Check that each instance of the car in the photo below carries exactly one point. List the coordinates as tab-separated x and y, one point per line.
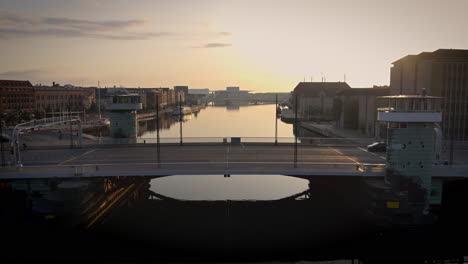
377	147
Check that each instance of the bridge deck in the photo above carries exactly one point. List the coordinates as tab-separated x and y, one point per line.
141	160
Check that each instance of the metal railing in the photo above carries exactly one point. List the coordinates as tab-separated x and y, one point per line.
192	168
38	123
95	140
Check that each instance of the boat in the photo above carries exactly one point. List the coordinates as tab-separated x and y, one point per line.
184	110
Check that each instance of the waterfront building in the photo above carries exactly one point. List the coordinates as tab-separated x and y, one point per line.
199	91
231	96
63	98
16	96
198	96
443	73
315	100
183	89
356	108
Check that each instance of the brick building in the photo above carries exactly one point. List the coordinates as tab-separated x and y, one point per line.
16	96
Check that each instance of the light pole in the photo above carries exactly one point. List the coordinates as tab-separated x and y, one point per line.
180	117
295	133
158	147
69	121
276	120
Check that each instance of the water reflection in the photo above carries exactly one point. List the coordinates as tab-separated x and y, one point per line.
235	187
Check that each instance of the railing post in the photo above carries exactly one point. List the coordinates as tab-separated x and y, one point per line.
80	134
180	117
158	147
69	121
276	120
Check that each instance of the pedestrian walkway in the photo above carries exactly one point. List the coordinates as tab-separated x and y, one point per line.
329	130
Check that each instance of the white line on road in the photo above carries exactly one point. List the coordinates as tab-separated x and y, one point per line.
371	153
341	153
68	160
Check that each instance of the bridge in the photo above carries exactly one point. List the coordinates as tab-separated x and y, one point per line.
312	157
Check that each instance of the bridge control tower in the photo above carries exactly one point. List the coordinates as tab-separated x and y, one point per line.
123	115
412	142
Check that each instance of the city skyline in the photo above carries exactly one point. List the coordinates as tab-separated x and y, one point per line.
265	46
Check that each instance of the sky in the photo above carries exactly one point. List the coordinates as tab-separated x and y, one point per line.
261	46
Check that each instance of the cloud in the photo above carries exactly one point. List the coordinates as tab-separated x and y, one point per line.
15	25
91	25
213	45
75	33
216	45
22	75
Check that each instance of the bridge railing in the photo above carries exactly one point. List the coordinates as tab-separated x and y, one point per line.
230	140
191	168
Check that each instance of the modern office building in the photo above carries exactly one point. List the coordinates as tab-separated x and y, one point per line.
443	73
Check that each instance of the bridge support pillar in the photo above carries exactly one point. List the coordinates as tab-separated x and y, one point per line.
80	134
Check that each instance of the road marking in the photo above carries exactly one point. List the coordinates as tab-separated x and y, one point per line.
341	153
68	160
371	153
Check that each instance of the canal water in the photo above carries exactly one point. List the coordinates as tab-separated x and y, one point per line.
221	121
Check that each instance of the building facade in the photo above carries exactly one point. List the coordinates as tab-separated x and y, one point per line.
231	96
181	89
16	96
63	98
443	73
358	110
315	100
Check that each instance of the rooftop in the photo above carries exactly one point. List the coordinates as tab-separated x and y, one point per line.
365	91
314	88
14	83
440	54
410	96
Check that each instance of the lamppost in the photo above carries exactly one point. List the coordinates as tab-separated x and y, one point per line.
295	134
69	121
276	120
180	117
158	147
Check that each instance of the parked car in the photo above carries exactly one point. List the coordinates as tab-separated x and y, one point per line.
377	147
